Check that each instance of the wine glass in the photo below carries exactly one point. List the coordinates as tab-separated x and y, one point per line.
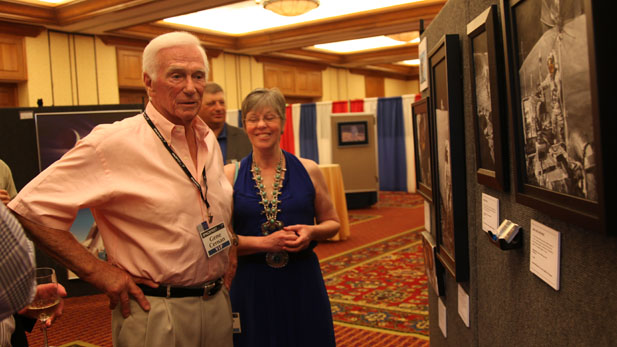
46	299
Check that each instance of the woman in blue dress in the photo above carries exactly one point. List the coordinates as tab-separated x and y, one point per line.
281	208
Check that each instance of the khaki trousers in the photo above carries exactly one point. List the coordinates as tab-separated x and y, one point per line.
181	322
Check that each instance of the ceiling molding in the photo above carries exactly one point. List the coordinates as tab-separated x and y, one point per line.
292	62
149	31
366	24
382	73
19	29
140	44
31	14
381	56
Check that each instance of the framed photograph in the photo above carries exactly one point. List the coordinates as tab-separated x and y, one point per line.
431	265
352	133
553	93
56	133
423	148
449	147
489	99
423	70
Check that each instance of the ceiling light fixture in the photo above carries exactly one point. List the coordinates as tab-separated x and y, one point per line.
290	8
405	37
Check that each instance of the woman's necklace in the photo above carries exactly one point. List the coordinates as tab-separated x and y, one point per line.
271	209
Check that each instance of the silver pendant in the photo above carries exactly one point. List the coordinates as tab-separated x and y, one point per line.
277	260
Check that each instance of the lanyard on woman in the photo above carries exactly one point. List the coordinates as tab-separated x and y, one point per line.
171	151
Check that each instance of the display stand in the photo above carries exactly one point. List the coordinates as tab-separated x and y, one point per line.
502	244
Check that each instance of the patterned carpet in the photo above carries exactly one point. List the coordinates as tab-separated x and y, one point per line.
399	199
381	286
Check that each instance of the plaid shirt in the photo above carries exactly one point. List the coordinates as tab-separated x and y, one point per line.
17	285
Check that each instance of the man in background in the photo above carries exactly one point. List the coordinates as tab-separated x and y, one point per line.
155	186
234	142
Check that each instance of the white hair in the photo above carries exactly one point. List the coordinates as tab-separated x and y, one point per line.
172	39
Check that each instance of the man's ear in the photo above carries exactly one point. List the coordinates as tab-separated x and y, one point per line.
147	83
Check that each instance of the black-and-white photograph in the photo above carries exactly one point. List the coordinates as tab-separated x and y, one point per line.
555	96
422	148
442	128
448	139
486	142
430	263
487	67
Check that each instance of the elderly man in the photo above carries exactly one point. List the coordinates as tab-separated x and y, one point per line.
234	142
156	188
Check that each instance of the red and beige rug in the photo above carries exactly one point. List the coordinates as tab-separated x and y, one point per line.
381	286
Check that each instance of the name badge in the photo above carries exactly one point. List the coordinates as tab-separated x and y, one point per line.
215	239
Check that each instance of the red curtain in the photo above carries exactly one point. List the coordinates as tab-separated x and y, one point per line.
287	139
357	105
339	107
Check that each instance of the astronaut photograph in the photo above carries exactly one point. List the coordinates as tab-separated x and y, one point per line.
555	91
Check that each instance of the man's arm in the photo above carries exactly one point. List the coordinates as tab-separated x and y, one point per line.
114	282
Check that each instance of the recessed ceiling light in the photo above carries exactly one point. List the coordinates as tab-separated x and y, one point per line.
359	44
247	16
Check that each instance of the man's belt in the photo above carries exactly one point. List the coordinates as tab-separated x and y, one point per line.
208	290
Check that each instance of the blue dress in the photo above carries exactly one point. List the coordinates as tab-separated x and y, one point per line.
287	306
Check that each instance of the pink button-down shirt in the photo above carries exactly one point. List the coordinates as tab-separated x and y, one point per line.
145	206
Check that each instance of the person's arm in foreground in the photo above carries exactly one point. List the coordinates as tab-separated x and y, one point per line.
114	282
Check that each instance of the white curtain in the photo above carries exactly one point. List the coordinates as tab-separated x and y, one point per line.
324	132
409	141
232	117
295	115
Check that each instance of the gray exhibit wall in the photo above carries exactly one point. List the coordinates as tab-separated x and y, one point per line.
509	305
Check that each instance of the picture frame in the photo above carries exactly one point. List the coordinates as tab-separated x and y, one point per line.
553	84
56	133
449	195
488	85
423	153
423	68
352	133
432	267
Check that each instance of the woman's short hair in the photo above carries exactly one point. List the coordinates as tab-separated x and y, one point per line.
177	38
262	97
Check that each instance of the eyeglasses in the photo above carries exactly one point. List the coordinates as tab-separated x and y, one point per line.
267	118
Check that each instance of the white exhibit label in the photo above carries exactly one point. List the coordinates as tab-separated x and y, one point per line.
463	305
427	216
442	317
544	253
490	213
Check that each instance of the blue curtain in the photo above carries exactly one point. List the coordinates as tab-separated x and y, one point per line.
240	119
391	144
308	132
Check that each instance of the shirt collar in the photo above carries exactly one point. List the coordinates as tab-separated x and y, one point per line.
223	133
166	127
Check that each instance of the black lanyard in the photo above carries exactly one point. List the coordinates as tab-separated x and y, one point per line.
183	167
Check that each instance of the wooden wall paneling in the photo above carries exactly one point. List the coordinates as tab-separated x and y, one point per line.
281	77
374	86
308	82
8	95
133	96
12	59
129	68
